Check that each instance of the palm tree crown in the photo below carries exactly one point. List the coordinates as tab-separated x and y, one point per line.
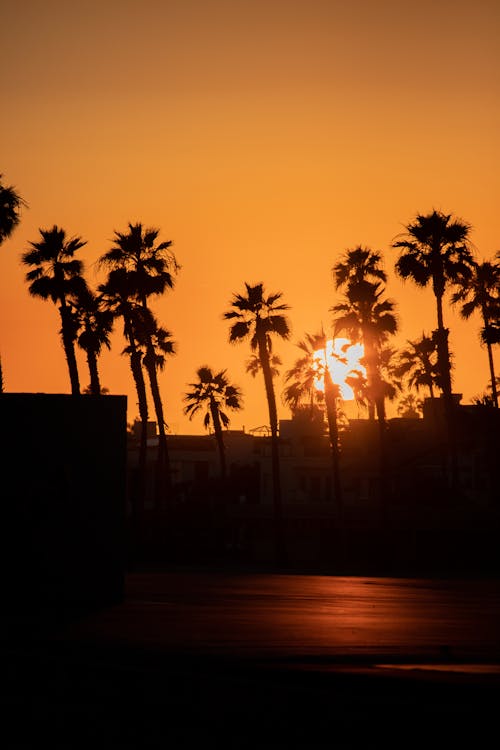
435	249
357	265
57	275
258	317
151	266
10	210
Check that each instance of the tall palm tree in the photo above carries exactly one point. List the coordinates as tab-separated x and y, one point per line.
117	296
367	317
417	364
214	393
57	274
435	249
151	269
481	292
302	381
95	324
10	210
258	317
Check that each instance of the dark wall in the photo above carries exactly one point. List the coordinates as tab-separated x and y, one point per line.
62	490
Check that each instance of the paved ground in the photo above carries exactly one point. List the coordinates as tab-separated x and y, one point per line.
258	661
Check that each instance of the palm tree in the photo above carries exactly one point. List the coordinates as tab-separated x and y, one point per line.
214	393
435	250
417	364
117	296
57	275
481	292
151	269
95	324
10	210
302	381
366	317
258	317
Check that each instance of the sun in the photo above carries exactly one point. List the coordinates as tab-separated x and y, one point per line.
342	358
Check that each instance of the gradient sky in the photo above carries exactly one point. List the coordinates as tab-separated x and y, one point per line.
263	139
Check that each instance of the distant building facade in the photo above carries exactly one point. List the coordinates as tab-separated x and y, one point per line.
399	499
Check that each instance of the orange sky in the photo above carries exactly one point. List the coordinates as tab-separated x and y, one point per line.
263	139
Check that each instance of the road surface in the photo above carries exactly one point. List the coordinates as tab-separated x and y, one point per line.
265	659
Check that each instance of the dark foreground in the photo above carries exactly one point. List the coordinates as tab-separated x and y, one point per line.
244	659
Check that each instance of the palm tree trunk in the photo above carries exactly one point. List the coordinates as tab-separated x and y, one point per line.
137	374
69	348
445	375
219	438
494	394
275	458
163	459
331	411
95	385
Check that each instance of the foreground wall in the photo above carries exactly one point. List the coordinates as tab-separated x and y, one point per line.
62	492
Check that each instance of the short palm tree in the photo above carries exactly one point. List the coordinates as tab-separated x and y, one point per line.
11	204
435	249
481	292
57	274
215	394
95	324
417	364
258	317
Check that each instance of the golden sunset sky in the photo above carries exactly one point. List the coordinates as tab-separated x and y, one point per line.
263	138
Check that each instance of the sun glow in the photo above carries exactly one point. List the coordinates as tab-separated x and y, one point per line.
342	359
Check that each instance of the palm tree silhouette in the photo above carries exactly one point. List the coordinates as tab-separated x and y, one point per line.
302	379
117	296
214	393
435	250
151	268
417	364
57	274
258	317
10	210
95	324
365	316
481	292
